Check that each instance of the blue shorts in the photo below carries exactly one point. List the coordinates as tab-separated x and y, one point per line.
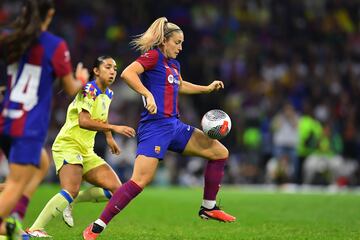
22	151
155	137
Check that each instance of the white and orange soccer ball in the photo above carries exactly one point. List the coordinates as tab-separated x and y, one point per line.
216	124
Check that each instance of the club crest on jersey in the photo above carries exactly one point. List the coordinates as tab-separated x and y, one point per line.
157	149
90	91
79	157
103	105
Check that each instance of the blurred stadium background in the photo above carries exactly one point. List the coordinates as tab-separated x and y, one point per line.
279	60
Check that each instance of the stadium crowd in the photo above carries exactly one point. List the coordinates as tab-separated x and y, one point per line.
291	71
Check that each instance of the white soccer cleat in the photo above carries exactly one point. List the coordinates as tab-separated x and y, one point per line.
67	216
38	233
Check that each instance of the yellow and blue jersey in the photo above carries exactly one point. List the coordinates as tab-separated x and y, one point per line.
97	103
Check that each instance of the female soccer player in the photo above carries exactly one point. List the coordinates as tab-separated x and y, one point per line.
73	149
160	128
34	59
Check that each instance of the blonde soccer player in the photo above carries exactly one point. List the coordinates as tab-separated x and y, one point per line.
156	75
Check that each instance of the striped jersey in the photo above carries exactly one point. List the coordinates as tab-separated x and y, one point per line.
25	109
162	78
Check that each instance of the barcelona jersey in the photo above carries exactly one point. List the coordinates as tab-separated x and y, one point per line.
162	78
94	101
25	110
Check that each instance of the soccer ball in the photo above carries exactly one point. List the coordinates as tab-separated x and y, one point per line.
216	124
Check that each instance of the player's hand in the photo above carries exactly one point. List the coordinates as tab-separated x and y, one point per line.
2	90
215	86
150	104
114	148
124	130
82	73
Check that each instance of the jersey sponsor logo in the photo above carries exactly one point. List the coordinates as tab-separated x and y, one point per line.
103	105
171	79
157	149
79	157
188	128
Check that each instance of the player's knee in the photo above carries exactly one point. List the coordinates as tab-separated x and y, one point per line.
74	192
224	153
220	152
142	182
113	187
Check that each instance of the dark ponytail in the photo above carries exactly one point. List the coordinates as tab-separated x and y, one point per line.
97	63
24	30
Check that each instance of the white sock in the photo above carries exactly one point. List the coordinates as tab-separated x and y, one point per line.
209	204
100	223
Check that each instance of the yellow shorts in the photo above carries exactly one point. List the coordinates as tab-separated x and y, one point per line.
89	160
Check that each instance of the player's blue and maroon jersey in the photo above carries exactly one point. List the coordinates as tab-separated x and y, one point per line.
162	78
25	110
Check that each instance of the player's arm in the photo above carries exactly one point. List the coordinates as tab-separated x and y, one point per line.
131	77
86	122
114	148
72	85
61	62
2	90
190	88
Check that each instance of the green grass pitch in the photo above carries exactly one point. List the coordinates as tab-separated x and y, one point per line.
171	213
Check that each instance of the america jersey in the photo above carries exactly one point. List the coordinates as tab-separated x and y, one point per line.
25	109
162	78
97	103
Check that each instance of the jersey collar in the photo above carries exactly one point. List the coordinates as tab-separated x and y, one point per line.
108	92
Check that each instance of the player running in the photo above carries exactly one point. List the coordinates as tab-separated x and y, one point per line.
33	59
73	149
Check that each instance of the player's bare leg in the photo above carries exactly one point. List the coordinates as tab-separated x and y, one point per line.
103	176
16	182
105	182
144	172
39	174
70	180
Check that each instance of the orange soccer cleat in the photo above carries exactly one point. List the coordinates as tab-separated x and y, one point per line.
216	214
88	234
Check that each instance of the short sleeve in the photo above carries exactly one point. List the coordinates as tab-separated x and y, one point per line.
61	60
87	99
149	59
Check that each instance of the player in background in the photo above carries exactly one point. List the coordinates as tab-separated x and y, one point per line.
34	59
73	148
160	129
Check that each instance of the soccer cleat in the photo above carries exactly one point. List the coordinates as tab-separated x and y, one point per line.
38	233
88	234
14	229
216	214
67	216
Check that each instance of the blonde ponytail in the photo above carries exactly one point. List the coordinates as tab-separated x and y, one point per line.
159	30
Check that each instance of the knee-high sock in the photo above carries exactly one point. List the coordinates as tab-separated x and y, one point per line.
53	208
119	200
21	206
93	194
214	172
